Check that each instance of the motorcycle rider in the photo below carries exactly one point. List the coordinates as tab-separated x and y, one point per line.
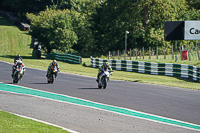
18	57
54	63
103	67
17	63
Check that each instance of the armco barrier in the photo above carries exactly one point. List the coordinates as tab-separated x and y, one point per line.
69	58
168	69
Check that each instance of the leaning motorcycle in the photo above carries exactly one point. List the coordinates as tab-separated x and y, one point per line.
52	75
19	72
104	78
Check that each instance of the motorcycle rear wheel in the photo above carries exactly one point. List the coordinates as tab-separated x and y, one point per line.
49	79
15	79
52	78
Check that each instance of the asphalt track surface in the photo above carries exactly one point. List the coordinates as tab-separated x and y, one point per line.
171	102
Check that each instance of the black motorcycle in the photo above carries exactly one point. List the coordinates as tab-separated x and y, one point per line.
52	75
19	72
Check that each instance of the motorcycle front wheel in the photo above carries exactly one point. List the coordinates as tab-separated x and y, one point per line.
15	79
49	78
52	78
105	83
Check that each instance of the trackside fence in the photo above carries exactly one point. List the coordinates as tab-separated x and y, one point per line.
68	58
168	69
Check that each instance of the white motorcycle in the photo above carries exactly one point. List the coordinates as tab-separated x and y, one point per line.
19	72
104	78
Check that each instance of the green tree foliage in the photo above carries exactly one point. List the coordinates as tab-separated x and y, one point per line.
194	4
86	8
80	14
144	19
194	10
54	29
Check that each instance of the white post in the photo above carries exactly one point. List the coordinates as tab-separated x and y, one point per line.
126	43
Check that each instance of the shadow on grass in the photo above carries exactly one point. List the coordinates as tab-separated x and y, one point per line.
85	65
187	80
13	57
181	78
26	33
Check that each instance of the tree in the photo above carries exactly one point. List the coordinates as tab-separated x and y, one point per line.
82	26
144	19
54	29
194	4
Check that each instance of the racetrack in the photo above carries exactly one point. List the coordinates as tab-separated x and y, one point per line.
177	103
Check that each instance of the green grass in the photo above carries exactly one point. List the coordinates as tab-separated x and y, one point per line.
10	123
194	61
13	41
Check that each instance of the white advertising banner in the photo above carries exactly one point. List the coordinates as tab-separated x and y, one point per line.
192	30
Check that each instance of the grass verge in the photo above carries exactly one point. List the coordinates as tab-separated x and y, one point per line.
10	123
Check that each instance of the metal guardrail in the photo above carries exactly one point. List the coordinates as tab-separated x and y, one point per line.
168	69
68	58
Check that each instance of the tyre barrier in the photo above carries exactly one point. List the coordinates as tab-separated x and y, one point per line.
168	69
68	58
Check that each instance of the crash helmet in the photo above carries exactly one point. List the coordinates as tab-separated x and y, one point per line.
106	64
18	55
54	62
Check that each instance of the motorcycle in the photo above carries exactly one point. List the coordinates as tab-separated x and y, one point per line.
104	78
19	72
52	75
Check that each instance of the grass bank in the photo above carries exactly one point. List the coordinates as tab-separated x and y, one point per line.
10	123
13	41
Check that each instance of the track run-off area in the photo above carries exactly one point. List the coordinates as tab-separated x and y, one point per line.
75	102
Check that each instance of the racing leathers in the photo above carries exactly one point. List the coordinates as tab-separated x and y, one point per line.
54	63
